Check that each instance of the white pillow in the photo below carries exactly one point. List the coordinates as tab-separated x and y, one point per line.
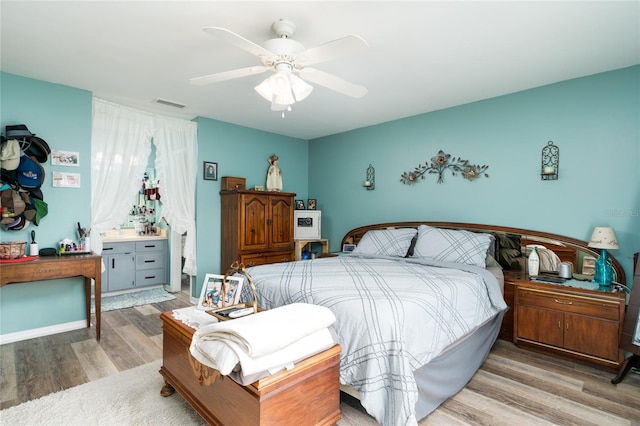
450	245
386	242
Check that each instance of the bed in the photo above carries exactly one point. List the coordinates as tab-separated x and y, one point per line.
418	308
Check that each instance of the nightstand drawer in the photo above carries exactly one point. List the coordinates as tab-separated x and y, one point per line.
583	305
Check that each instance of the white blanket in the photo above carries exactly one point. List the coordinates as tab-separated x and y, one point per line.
265	341
227	356
268	331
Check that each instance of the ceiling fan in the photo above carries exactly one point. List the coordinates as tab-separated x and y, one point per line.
289	61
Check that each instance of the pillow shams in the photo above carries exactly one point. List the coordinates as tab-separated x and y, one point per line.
386	242
449	245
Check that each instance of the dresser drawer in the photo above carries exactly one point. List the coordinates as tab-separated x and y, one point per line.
150	260
583	305
151	245
150	277
255	259
118	248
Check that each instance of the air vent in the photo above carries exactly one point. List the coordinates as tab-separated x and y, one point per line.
169	103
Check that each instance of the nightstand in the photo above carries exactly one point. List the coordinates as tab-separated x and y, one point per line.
574	319
301	244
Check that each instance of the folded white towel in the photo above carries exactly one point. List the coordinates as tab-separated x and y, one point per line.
224	356
269	331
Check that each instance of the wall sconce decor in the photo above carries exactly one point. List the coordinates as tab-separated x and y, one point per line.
370	178
442	162
550	162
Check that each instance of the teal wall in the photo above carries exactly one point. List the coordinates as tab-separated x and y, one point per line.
593	120
60	115
241	152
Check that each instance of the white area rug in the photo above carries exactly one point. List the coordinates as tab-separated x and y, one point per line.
127	300
131	397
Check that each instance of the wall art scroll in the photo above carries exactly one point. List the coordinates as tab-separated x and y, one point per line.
441	163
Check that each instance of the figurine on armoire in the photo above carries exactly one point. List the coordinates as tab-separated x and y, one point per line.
274	175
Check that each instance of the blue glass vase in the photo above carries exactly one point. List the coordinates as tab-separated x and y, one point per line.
604	270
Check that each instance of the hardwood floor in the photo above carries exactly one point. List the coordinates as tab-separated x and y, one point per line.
514	385
36	367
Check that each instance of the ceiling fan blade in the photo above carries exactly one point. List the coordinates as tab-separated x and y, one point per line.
344	46
227	75
332	82
238	41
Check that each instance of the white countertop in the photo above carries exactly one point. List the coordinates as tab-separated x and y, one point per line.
126	235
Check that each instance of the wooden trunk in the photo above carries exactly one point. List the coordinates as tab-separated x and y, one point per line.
308	394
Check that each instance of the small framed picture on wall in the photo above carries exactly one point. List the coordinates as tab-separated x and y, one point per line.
311	204
210	171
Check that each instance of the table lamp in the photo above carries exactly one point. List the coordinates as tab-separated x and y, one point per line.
603	238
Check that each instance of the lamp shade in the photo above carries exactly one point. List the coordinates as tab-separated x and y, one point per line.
283	88
603	237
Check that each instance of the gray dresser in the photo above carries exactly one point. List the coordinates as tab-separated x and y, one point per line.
134	264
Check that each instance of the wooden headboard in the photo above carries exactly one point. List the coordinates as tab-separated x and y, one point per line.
566	248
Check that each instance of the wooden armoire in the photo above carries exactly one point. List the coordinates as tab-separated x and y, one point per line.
257	227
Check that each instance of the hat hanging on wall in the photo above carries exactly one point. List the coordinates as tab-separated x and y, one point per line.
29	142
17	131
10	155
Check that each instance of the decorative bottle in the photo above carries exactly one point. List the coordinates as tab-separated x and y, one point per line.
534	263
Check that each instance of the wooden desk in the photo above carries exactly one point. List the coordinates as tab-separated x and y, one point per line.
56	267
300	244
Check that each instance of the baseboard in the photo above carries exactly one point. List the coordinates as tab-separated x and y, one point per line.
42	331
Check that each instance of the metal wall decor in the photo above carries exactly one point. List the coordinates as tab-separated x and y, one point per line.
370	178
439	164
550	162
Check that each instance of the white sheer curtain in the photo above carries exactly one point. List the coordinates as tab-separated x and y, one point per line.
120	148
177	169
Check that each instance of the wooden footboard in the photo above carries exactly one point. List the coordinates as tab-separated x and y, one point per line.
306	394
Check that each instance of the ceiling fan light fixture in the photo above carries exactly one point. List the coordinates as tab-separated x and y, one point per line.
286	56
301	89
274	86
283	89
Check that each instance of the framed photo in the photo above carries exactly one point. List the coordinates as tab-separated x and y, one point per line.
348	248
210	171
588	265
300	205
65	180
65	158
311	204
210	295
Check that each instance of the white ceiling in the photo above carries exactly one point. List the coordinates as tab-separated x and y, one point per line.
422	56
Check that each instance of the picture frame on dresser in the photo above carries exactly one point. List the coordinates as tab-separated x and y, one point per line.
210	295
348	248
